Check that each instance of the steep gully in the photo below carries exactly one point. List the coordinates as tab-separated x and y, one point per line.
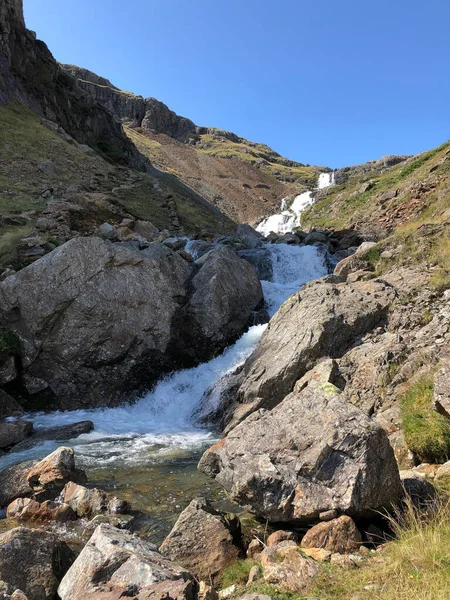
148	451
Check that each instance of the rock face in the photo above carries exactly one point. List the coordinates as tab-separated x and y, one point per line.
29	73
13	432
322	319
204	540
33	561
224	293
310	454
99	322
116	564
149	113
339	535
441	398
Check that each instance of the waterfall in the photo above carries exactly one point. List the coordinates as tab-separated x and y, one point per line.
290	216
160	422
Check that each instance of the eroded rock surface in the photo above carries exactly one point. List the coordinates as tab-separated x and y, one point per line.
312	453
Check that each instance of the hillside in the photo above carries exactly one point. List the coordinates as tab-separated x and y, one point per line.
245	180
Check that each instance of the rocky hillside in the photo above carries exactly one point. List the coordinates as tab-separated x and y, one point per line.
246	180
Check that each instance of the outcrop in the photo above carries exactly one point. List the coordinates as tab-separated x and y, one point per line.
312	453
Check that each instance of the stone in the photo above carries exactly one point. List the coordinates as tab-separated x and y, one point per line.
26	509
119	521
355	262
443	471
8	369
312	453
90	502
261	260
347	561
254	549
315	237
14	484
203	540
318	554
8	405
227	592
175	243
33	561
280	536
206	592
48	477
339	535
157	251
321	320
62	433
254	574
417	487
117	564
441	394
13	432
225	291
108	232
146	229
47	167
328	515
287	568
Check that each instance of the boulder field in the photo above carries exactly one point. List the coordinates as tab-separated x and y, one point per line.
98	322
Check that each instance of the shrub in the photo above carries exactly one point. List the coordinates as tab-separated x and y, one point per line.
427	433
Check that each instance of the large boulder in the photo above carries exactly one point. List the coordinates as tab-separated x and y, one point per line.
357	261
88	314
63	432
13	432
323	319
99	322
312	453
224	293
26	509
14	483
204	540
117	564
287	568
33	561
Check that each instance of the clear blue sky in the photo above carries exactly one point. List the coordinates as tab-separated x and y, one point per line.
327	82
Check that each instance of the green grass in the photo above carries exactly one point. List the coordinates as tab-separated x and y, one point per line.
372	256
9	244
237	573
427	433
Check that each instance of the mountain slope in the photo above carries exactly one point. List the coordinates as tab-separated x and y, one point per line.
246	180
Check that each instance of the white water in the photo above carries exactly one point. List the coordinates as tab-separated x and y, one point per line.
161	422
289	218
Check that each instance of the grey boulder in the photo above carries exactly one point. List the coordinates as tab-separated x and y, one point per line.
116	564
312	453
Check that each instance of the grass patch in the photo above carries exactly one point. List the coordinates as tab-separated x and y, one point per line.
237	573
427	433
9	244
372	256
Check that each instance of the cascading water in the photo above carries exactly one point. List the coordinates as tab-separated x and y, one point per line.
148	450
290	216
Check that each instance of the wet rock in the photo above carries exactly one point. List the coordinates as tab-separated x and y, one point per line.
204	540
48	477
311	453
315	237
355	262
65	432
287	568
26	509
33	561
89	502
322	319
13	432
280	536
116	564
339	535
261	261
218	398
225	291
